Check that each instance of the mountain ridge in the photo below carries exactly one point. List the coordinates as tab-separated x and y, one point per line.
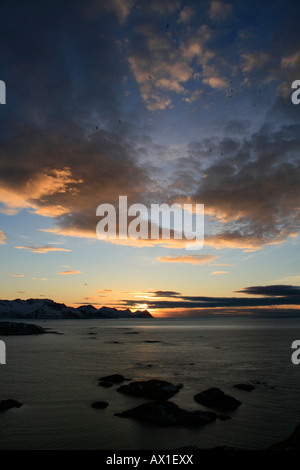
48	309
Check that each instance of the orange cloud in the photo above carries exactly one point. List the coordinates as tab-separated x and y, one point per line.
17	275
193	259
171	67
3	238
218	272
70	272
41	249
87	233
44	184
215	82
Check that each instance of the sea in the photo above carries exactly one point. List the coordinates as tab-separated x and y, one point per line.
55	377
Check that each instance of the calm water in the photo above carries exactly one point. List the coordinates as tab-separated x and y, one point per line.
55	377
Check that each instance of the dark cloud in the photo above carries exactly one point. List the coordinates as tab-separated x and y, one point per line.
66	145
253	187
66	174
285	295
59	63
276	290
165	293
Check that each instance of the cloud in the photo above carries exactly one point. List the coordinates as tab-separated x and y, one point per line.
218	272
274	290
221	264
219	10
204	302
193	259
293	278
67	150
186	15
93	298
3	238
31	183
46	183
254	61
165	293
41	249
73	142
252	190
70	272
216	82
122	8
161	69
17	275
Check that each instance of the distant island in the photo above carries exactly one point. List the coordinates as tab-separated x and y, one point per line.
47	309
10	328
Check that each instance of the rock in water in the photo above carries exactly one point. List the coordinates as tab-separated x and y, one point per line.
99	404
9	328
153	389
114	378
216	398
10	403
168	414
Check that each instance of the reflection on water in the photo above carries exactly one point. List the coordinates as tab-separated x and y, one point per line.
55	377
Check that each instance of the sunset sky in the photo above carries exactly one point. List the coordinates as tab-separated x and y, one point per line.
165	102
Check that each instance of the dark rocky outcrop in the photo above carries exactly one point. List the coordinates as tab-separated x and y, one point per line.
99	404
168	414
217	399
153	389
114	378
10	403
8	328
246	387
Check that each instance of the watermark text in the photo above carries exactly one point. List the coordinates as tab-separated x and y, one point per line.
2	92
296	94
160	222
2	352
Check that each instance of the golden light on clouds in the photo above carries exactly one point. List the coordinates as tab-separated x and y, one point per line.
192	259
218	272
41	249
70	272
3	238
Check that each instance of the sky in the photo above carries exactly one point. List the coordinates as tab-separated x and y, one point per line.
167	102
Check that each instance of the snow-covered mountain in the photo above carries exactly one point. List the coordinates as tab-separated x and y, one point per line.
48	309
